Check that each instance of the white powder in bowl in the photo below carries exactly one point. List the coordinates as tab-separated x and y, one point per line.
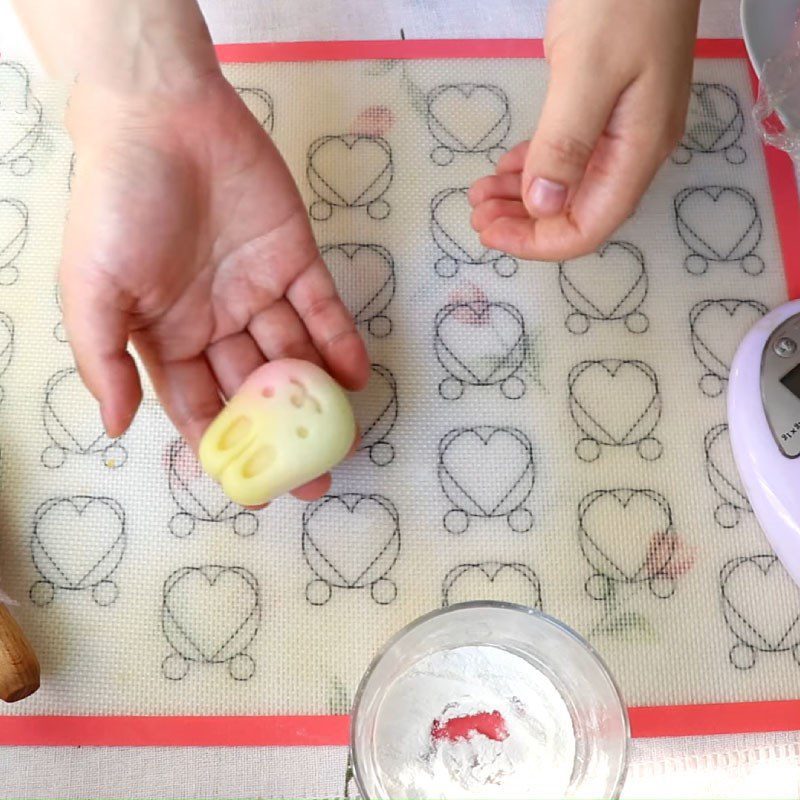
533	758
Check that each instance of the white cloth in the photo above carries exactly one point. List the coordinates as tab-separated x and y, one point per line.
299	20
733	767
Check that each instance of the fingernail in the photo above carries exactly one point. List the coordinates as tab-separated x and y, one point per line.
547	197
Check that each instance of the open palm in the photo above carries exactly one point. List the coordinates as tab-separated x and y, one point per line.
187	237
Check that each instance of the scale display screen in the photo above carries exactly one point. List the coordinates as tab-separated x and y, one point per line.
791	380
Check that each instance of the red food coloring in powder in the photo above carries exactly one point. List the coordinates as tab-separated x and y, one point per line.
488	724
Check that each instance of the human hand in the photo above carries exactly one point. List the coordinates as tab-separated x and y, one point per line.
187	236
615	108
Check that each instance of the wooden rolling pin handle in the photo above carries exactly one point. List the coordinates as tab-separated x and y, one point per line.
19	667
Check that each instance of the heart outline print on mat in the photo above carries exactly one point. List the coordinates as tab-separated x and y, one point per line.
503	493
737	607
71	171
458	242
199	498
648	564
373	266
368	182
380	541
626	302
260	104
724	482
530	594
446	114
215	632
14	227
497	331
7	344
718	365
59	334
67	426
20	119
641	398
714	124
701	214
380	423
69	561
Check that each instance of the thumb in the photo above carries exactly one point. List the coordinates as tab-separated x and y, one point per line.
573	118
97	329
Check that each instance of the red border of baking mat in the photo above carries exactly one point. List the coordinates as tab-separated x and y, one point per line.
230	731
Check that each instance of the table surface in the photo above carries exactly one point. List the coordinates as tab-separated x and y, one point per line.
726	766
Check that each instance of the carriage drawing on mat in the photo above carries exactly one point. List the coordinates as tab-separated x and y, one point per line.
77	545
655	548
734	501
375	434
754	632
70	428
59	333
719	225
210	615
6	346
624	307
628	422
199	498
261	105
714	124
350	171
492	353
468	119
373	526
459	244
486	472
490	572
374	267
22	113
13	238
73	160
717	367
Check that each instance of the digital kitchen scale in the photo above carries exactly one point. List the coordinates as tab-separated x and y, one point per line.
764	422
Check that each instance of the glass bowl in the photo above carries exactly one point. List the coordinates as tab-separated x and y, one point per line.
551	652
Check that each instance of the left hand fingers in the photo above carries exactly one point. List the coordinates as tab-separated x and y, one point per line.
187	390
280	333
330	325
232	360
313	490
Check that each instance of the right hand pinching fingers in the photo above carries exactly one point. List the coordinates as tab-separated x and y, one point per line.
615	107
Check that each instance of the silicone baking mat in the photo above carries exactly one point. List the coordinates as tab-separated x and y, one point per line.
549	434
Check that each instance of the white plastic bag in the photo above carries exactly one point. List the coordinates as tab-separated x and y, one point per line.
777	110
